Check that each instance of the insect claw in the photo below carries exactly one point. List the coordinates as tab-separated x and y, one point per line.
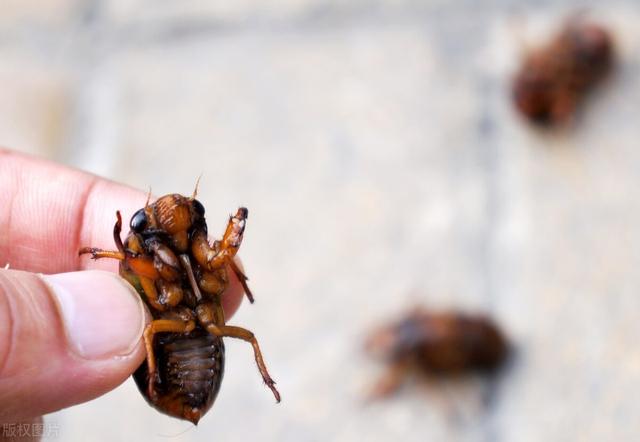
271	384
275	392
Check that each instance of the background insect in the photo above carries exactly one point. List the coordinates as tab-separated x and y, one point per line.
554	79
446	343
181	277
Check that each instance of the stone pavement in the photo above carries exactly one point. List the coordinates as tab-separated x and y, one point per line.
374	143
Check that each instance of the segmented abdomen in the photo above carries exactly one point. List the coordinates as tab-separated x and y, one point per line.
190	369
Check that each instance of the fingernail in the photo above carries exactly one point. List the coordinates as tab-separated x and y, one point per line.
102	314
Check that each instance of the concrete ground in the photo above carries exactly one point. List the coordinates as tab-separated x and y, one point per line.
375	145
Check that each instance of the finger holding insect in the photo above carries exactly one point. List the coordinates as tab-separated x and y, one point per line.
53	211
50	210
89	326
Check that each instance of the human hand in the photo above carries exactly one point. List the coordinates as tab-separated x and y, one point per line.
65	336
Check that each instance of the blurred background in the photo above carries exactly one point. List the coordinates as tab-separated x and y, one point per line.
378	139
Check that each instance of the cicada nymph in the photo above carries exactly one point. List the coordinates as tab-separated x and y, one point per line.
436	343
181	277
554	79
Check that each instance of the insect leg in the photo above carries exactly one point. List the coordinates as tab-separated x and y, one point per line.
150	291
223	252
390	381
160	326
242	278
170	292
117	228
214	258
99	253
246	335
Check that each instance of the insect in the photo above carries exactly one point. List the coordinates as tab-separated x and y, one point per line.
181	277
554	79
445	343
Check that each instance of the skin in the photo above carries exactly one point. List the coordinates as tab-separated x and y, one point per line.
48	213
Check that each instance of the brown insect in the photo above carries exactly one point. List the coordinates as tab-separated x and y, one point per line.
436	343
554	79
181	277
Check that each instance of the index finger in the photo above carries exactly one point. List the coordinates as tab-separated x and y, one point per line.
48	212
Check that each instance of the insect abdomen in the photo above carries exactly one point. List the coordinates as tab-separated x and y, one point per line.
191	368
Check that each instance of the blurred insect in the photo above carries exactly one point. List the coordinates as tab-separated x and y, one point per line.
181	277
554	79
435	343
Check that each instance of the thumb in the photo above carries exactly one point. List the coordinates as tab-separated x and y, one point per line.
65	339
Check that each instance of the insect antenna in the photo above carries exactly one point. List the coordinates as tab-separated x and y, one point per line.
195	191
146	205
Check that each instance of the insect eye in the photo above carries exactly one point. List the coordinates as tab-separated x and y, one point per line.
198	207
138	221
